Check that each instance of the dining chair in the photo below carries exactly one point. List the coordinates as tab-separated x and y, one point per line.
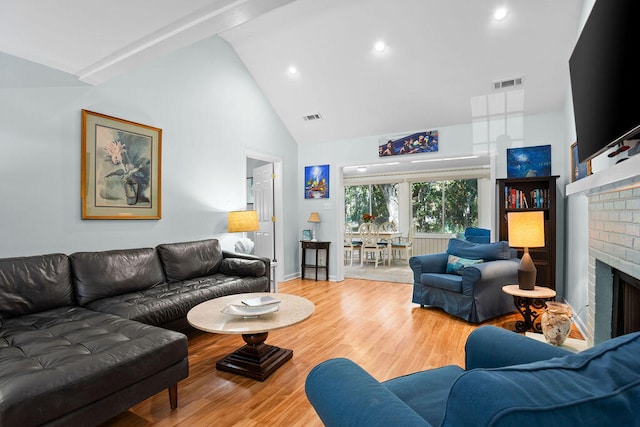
350	247
403	249
370	250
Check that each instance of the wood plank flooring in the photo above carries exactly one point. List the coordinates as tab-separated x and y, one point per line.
373	323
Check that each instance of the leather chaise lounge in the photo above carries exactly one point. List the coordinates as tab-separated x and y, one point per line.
83	337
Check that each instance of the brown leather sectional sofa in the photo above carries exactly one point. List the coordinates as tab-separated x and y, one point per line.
84	337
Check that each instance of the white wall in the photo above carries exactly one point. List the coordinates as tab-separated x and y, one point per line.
577	221
211	112
540	129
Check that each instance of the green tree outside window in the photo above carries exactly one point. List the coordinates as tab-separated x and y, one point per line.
380	200
445	206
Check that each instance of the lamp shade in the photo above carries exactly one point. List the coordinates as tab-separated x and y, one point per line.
240	221
526	229
314	217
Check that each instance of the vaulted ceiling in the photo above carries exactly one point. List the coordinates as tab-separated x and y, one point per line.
440	55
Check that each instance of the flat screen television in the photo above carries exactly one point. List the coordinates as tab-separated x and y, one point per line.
605	77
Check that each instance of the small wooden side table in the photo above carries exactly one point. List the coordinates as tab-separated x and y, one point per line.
530	304
317	246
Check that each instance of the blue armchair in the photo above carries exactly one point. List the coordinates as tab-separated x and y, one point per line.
477	235
509	380
467	280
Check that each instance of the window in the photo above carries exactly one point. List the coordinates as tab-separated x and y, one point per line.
380	200
445	206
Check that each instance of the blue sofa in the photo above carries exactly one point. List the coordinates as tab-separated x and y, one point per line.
509	380
467	280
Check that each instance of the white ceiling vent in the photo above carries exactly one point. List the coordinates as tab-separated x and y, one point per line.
502	84
310	117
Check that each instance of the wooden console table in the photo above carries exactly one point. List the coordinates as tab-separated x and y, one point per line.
317	246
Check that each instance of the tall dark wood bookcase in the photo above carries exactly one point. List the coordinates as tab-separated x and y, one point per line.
532	194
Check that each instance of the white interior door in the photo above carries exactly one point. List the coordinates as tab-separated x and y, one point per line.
263	204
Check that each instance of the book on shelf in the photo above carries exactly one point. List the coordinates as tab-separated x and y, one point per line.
537	198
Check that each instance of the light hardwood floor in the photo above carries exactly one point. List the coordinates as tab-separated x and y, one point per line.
373	323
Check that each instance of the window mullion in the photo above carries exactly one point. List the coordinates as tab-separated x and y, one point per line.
443	206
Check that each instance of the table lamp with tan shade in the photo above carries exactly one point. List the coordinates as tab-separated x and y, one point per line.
314	219
242	222
526	230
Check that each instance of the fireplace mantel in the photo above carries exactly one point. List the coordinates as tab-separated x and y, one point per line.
617	176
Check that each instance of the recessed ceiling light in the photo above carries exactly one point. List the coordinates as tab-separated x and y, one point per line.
500	13
380	46
292	70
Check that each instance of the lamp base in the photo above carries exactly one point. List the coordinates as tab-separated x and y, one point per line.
527	272
526	280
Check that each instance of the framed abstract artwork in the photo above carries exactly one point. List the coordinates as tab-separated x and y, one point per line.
120	170
316	182
578	170
529	161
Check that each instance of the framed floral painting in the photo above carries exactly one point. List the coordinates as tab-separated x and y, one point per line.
120	168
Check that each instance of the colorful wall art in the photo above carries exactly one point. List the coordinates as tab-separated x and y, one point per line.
419	142
529	161
316	182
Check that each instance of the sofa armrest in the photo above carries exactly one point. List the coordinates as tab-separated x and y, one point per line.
493	347
267	261
429	263
344	394
496	273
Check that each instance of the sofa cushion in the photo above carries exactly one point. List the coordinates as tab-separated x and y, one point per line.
172	301
426	392
188	260
104	274
57	361
485	251
448	282
455	264
242	267
35	283
599	386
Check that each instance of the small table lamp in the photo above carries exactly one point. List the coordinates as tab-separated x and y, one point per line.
241	222
526	230
314	219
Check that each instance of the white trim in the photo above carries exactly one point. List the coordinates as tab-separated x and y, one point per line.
427	175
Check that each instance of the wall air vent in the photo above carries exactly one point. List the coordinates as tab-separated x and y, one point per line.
502	84
310	117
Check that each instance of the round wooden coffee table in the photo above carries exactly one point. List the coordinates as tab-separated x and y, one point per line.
256	359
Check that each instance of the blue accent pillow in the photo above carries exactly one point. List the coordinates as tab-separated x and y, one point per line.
455	264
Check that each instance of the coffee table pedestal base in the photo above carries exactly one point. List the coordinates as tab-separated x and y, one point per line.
256	359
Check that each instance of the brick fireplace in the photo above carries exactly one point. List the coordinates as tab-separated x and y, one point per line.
614	244
613	196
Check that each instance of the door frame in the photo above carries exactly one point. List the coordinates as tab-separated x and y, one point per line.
278	199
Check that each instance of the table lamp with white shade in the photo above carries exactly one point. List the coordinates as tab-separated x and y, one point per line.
242	222
526	230
314	219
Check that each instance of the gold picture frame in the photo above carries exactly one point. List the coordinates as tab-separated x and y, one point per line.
578	170
121	168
